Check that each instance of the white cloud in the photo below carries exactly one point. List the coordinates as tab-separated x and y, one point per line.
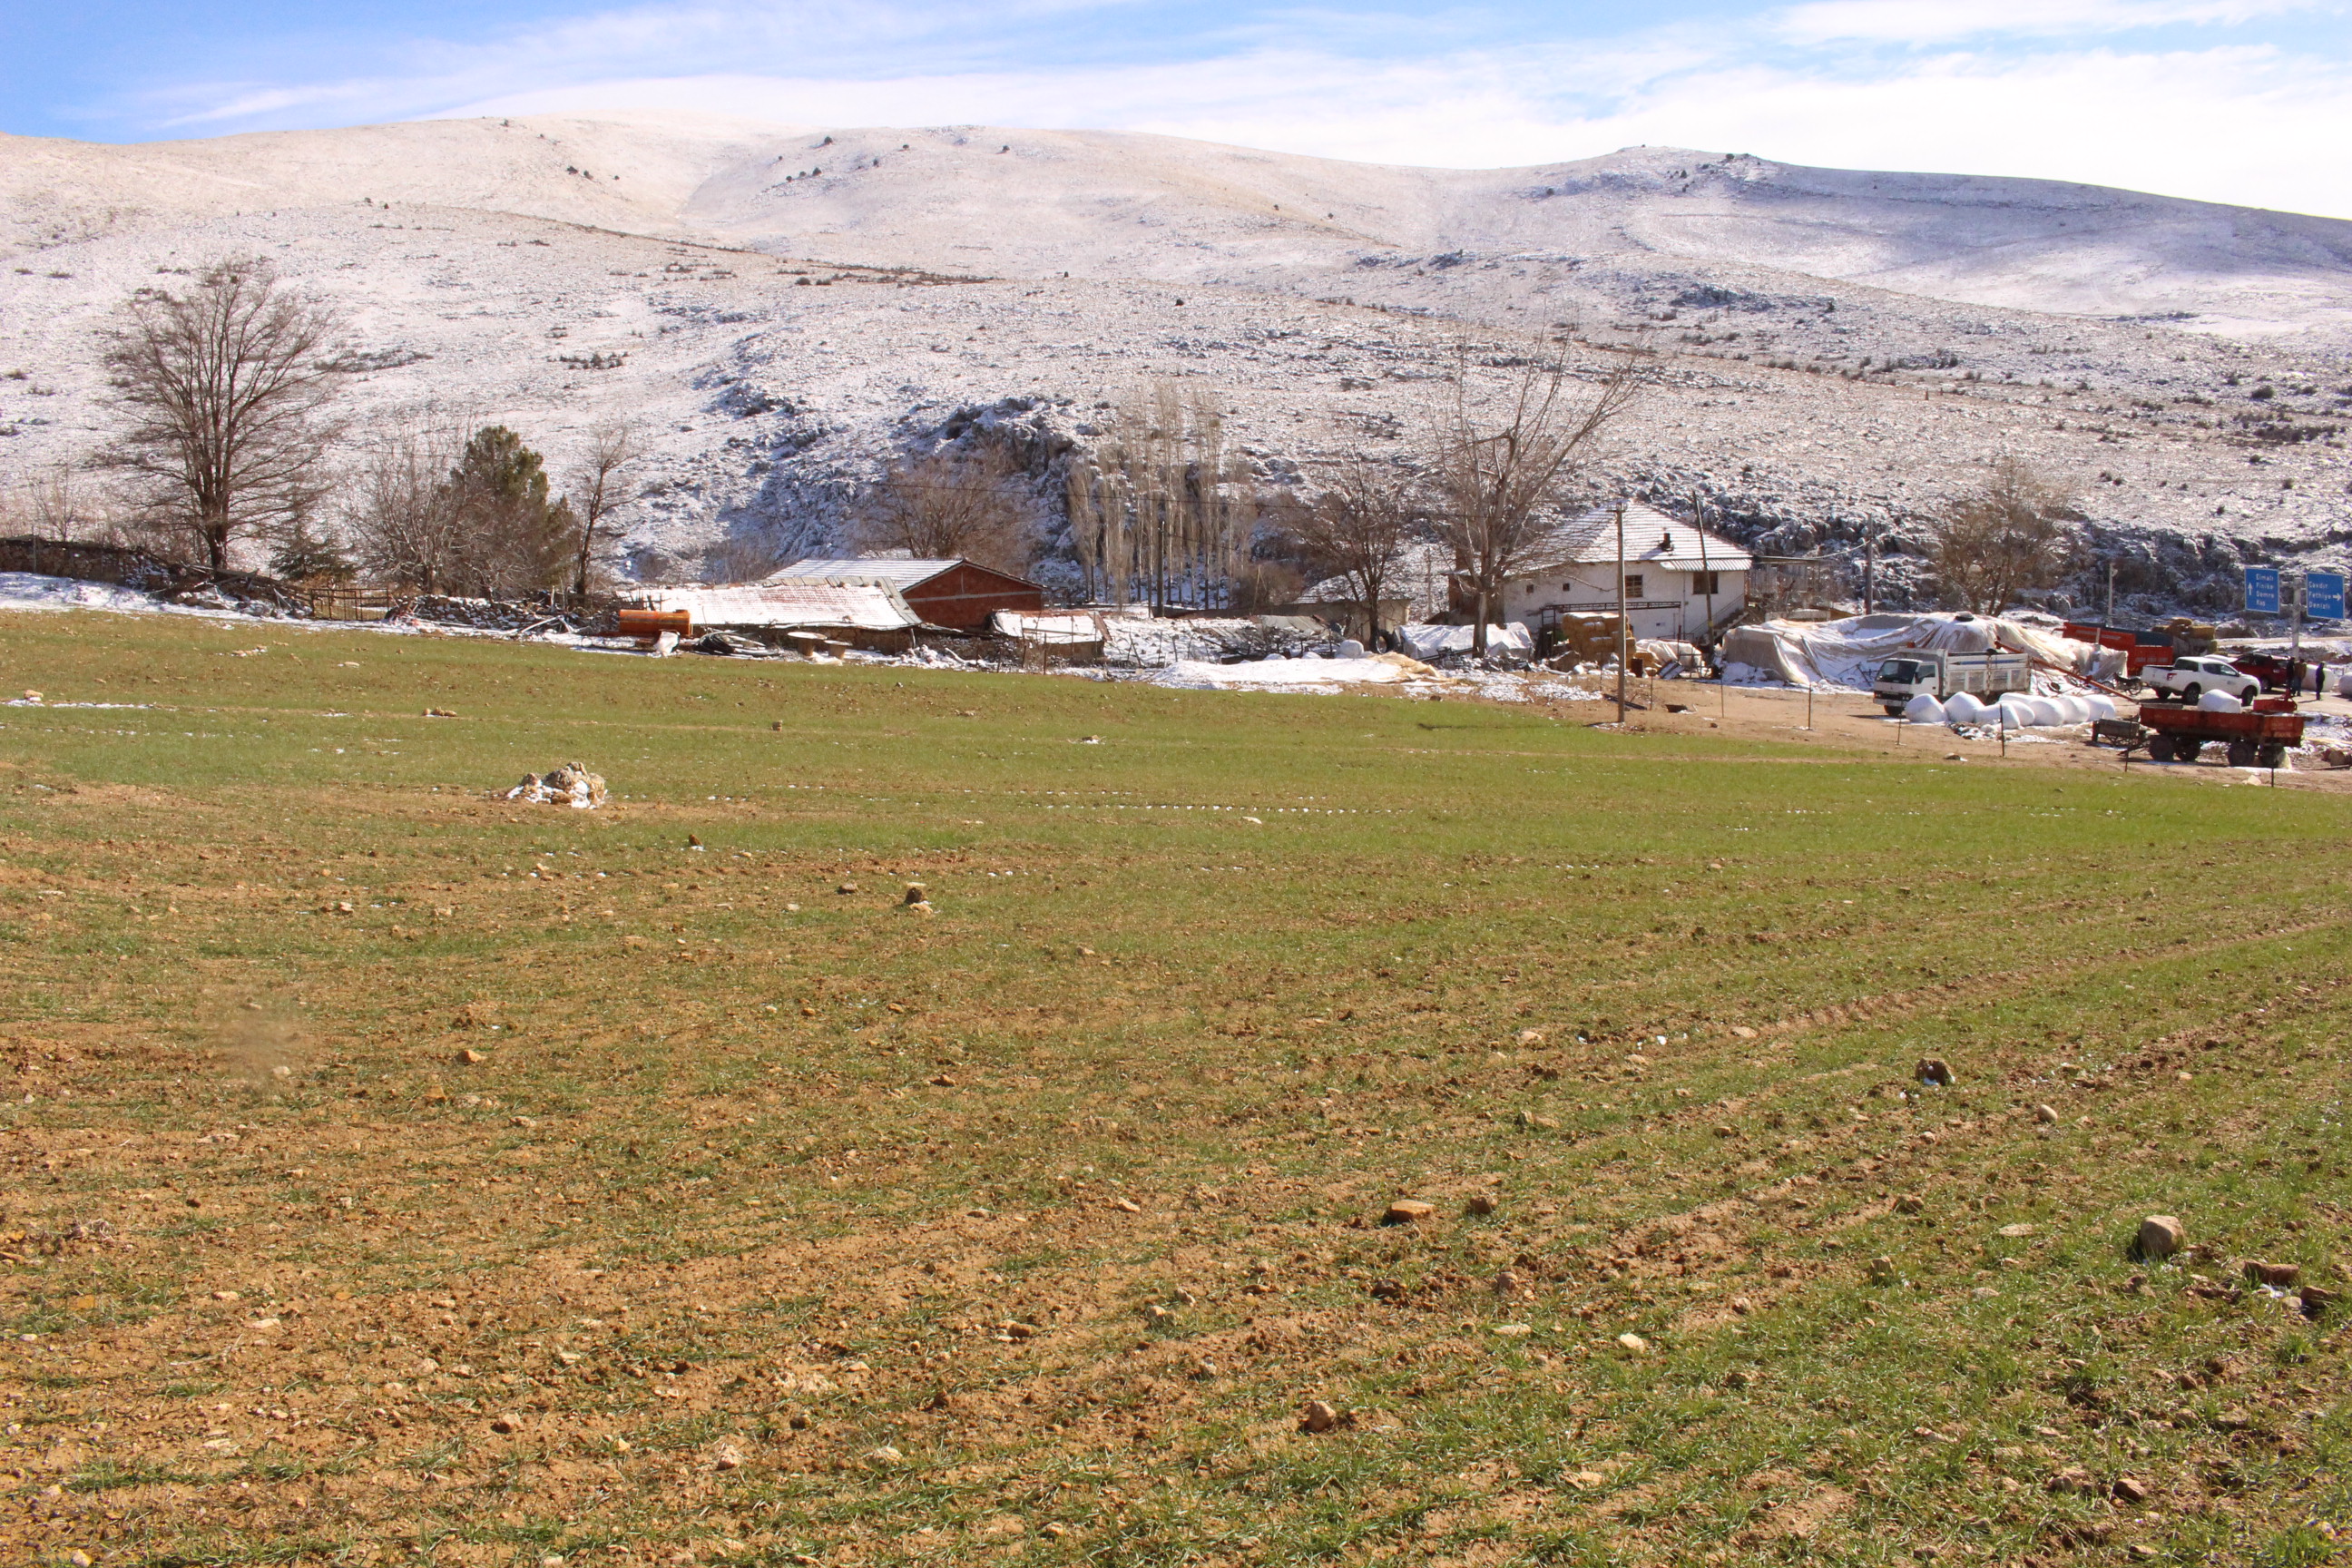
2208	124
1949	21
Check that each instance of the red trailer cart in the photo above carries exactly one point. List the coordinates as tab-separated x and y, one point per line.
2256	738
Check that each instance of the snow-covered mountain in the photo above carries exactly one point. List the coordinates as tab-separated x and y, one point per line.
795	303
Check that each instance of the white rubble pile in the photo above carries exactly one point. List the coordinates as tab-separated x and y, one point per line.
571	784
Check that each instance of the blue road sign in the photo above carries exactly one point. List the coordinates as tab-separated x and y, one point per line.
2323	595
2262	590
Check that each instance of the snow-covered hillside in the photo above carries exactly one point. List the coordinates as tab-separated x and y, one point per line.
792	304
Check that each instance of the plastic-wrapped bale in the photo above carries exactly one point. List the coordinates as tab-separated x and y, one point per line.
2016	713
2220	702
1961	708
1924	710
2101	707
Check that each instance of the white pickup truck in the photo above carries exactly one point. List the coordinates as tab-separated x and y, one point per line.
1940	675
2190	678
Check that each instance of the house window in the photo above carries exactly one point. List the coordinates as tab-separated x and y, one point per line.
1706	583
1633	586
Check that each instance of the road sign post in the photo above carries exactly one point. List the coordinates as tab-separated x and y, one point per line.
2323	594
2262	590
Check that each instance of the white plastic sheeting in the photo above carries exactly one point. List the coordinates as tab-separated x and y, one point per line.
1924	710
1425	641
1848	653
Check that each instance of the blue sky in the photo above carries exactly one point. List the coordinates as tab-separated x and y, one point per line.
2239	100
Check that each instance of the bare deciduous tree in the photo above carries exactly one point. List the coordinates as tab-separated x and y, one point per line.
1509	444
401	514
1359	527
949	504
596	480
2006	535
1161	509
226	387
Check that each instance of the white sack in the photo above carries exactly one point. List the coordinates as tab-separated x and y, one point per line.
1924	710
1961	708
2220	702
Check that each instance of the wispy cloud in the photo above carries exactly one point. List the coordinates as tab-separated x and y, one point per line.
1949	21
2182	97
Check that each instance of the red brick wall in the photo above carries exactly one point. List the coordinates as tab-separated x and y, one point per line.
965	595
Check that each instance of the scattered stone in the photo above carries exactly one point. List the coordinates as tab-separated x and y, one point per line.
506	1423
1408	1211
2072	1481
846	888
1726	1131
1515	1330
1156	1313
2016	1232
1882	1271
1531	1036
1633	1342
226	1296
727	1456
915	895
2280	1275
2318	1300
1388	1290
1742	1032
440	713
887	1455
1507	1283
2046	1115
470	1057
1127	1205
2160	1235
1910	1203
1481	1204
1318	1416
1588	1480
1932	1069
2131	1488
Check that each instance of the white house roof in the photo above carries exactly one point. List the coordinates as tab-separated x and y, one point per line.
897	571
1651	539
865	605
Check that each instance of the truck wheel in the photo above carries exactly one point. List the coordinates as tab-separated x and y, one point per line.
2242	753
2274	755
2160	749
1892	713
2185	750
2191	692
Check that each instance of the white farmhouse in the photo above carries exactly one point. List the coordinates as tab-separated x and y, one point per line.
1680	581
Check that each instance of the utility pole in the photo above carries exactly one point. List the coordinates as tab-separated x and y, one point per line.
1622	649
1870	573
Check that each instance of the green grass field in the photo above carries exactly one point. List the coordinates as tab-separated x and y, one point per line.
399	1175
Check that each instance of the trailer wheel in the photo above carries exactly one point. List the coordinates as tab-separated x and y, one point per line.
2185	749
2243	753
2159	748
2273	755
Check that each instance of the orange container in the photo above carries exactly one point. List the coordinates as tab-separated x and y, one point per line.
647	625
